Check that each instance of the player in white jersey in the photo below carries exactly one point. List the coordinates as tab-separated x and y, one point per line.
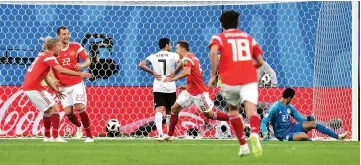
163	64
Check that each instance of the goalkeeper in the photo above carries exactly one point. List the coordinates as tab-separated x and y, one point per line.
280	116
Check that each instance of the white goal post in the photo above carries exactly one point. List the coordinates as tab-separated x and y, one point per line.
355	70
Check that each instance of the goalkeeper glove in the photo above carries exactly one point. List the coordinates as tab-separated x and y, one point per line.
311	118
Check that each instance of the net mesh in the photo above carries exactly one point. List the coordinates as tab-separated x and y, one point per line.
308	44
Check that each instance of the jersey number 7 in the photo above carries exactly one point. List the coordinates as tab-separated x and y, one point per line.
164	61
240	49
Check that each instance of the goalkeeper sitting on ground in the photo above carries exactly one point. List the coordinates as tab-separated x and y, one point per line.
280	116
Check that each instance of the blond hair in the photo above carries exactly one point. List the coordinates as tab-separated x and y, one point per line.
50	44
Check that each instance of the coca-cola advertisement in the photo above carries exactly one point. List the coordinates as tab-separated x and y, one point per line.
133	107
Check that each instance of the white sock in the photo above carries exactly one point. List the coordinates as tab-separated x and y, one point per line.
158	122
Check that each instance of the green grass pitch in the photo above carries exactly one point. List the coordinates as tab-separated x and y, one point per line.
178	152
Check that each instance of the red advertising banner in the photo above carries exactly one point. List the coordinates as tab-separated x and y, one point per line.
133	107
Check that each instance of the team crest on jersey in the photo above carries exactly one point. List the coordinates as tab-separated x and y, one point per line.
72	53
288	111
184	62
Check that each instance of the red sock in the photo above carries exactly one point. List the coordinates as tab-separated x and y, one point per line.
86	123
237	125
254	122
73	119
47	126
55	119
172	123
218	115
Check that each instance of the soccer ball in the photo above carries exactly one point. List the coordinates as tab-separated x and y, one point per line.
266	80
223	131
112	128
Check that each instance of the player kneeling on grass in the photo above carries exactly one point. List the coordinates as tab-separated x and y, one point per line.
280	116
38	95
196	92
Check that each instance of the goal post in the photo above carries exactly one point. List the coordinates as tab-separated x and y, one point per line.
312	46
355	70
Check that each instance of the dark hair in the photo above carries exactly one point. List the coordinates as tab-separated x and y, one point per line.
163	42
60	28
184	44
229	19
288	92
50	44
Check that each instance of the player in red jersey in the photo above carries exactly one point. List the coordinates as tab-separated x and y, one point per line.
38	95
73	87
240	57
196	92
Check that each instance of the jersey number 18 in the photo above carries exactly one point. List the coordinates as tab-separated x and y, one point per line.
240	49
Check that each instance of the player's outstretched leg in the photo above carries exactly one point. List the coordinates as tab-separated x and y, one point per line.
298	136
85	121
47	126
217	115
73	119
254	120
308	125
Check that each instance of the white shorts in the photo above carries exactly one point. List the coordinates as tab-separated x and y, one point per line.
75	94
42	100
202	101
234	94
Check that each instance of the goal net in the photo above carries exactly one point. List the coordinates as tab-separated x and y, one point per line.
308	44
